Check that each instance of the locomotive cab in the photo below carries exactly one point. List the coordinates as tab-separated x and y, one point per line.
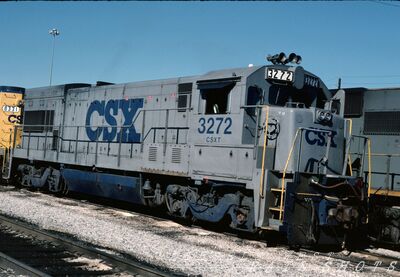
301	160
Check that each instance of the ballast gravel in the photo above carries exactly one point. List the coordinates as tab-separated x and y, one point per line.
166	244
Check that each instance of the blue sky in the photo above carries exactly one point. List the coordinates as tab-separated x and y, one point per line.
132	41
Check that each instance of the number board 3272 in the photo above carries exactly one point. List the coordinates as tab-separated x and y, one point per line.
279	74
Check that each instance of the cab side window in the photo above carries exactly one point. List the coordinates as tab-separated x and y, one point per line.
254	97
216	96
184	96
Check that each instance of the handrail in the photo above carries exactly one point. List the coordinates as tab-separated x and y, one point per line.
369	167
284	173
264	150
367	143
350	131
163	128
381	154
301	129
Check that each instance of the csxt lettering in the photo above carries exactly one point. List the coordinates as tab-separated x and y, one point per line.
109	110
320	138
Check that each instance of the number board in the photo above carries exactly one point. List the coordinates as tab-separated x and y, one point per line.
279	74
311	81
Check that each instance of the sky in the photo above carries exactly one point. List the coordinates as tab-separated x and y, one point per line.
135	41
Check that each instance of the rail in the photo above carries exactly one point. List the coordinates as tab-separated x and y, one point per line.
72	246
19	268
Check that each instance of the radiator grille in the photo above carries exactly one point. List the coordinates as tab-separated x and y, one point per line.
176	155
385	123
152	154
353	105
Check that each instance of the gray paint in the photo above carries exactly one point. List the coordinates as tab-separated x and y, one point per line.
232	158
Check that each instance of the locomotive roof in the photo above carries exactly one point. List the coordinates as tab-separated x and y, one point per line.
12	89
242	72
362	89
211	75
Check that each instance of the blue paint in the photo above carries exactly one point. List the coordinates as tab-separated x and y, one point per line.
95	106
110	119
215	125
122	188
12	89
316	137
226	205
322	209
109	111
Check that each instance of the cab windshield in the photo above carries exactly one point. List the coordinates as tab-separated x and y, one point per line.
280	95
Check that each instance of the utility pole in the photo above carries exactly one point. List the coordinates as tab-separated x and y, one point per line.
54	32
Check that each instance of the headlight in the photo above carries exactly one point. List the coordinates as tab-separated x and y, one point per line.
328	117
323	117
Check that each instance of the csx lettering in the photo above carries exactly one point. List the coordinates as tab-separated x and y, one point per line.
109	111
213	139
320	137
15	119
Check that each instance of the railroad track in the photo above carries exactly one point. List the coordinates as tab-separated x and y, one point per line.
33	252
360	260
357	260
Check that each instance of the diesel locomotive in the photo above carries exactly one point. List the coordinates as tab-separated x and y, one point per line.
10	115
258	148
375	113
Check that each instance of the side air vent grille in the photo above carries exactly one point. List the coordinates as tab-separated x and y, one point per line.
152	154
176	155
382	123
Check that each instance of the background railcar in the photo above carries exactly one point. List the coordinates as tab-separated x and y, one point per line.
375	113
256	147
10	116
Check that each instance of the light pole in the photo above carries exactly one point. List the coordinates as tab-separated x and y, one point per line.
54	32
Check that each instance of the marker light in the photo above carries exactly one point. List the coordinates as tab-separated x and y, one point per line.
277	58
293	58
282	59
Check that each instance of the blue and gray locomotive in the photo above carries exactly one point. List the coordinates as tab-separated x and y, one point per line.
256	147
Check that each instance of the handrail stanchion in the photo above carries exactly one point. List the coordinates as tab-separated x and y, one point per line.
262	177
166	132
119	146
97	145
76	142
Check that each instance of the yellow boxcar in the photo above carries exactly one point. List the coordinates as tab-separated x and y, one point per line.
10	115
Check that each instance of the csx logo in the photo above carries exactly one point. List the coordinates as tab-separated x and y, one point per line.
320	138
11	109
15	119
109	110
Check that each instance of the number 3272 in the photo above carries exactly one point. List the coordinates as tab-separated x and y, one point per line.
215	125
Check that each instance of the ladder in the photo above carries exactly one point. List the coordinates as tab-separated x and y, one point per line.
280	191
6	163
276	202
